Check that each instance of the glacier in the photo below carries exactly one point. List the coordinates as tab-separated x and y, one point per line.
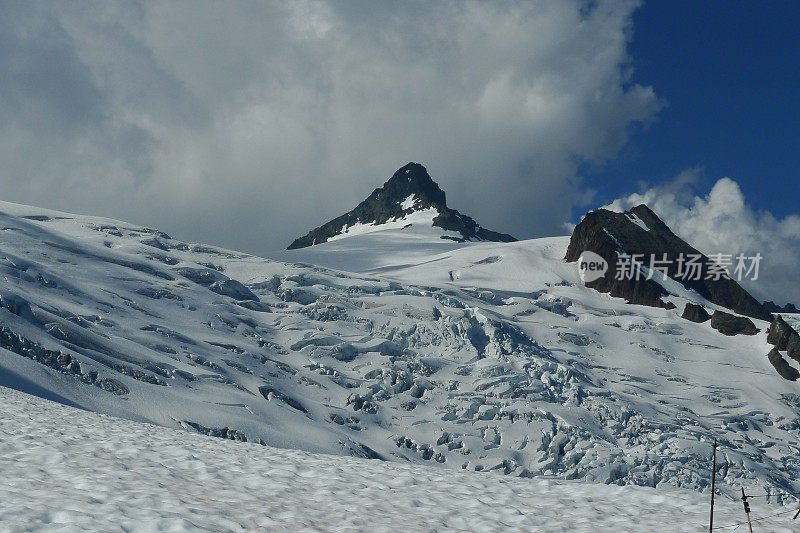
395	346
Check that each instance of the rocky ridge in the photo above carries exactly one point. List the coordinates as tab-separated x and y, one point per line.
640	231
410	190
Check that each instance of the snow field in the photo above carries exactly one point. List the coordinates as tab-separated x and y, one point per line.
66	469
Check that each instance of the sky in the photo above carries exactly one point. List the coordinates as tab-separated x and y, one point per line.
726	71
245	124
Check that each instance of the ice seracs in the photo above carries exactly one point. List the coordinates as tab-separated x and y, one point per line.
479	356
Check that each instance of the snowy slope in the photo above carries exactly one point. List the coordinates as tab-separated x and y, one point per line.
70	470
463	356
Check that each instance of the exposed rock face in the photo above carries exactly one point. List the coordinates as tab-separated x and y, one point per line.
784	369
730	325
695	313
640	231
388	203
775	308
784	337
599	232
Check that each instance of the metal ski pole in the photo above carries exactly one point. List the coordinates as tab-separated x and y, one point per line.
713	487
747	510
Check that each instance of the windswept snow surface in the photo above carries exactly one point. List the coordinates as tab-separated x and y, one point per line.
71	470
462	356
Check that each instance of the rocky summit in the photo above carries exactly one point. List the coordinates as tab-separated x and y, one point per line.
409	197
775	308
640	231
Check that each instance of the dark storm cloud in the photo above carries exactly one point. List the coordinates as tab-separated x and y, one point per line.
45	86
246	124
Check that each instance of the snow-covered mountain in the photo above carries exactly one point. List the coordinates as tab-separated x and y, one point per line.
481	356
410	200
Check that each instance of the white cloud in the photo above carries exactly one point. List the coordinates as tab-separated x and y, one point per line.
248	123
723	222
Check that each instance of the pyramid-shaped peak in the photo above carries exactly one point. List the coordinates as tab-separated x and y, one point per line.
412	179
409	192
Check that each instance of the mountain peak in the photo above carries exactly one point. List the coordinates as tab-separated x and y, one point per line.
640	231
410	191
413	178
412	188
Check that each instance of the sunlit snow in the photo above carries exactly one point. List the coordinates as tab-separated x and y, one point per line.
70	470
489	357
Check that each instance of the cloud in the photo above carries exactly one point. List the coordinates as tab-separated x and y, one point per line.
248	123
723	222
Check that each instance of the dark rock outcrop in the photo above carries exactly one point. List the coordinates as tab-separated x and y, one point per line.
730	325
640	231
784	368
597	233
772	307
386	204
695	313
784	337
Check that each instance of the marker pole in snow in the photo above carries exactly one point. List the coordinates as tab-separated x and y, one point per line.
713	486
747	510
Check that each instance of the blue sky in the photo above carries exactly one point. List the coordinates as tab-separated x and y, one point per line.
730	74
